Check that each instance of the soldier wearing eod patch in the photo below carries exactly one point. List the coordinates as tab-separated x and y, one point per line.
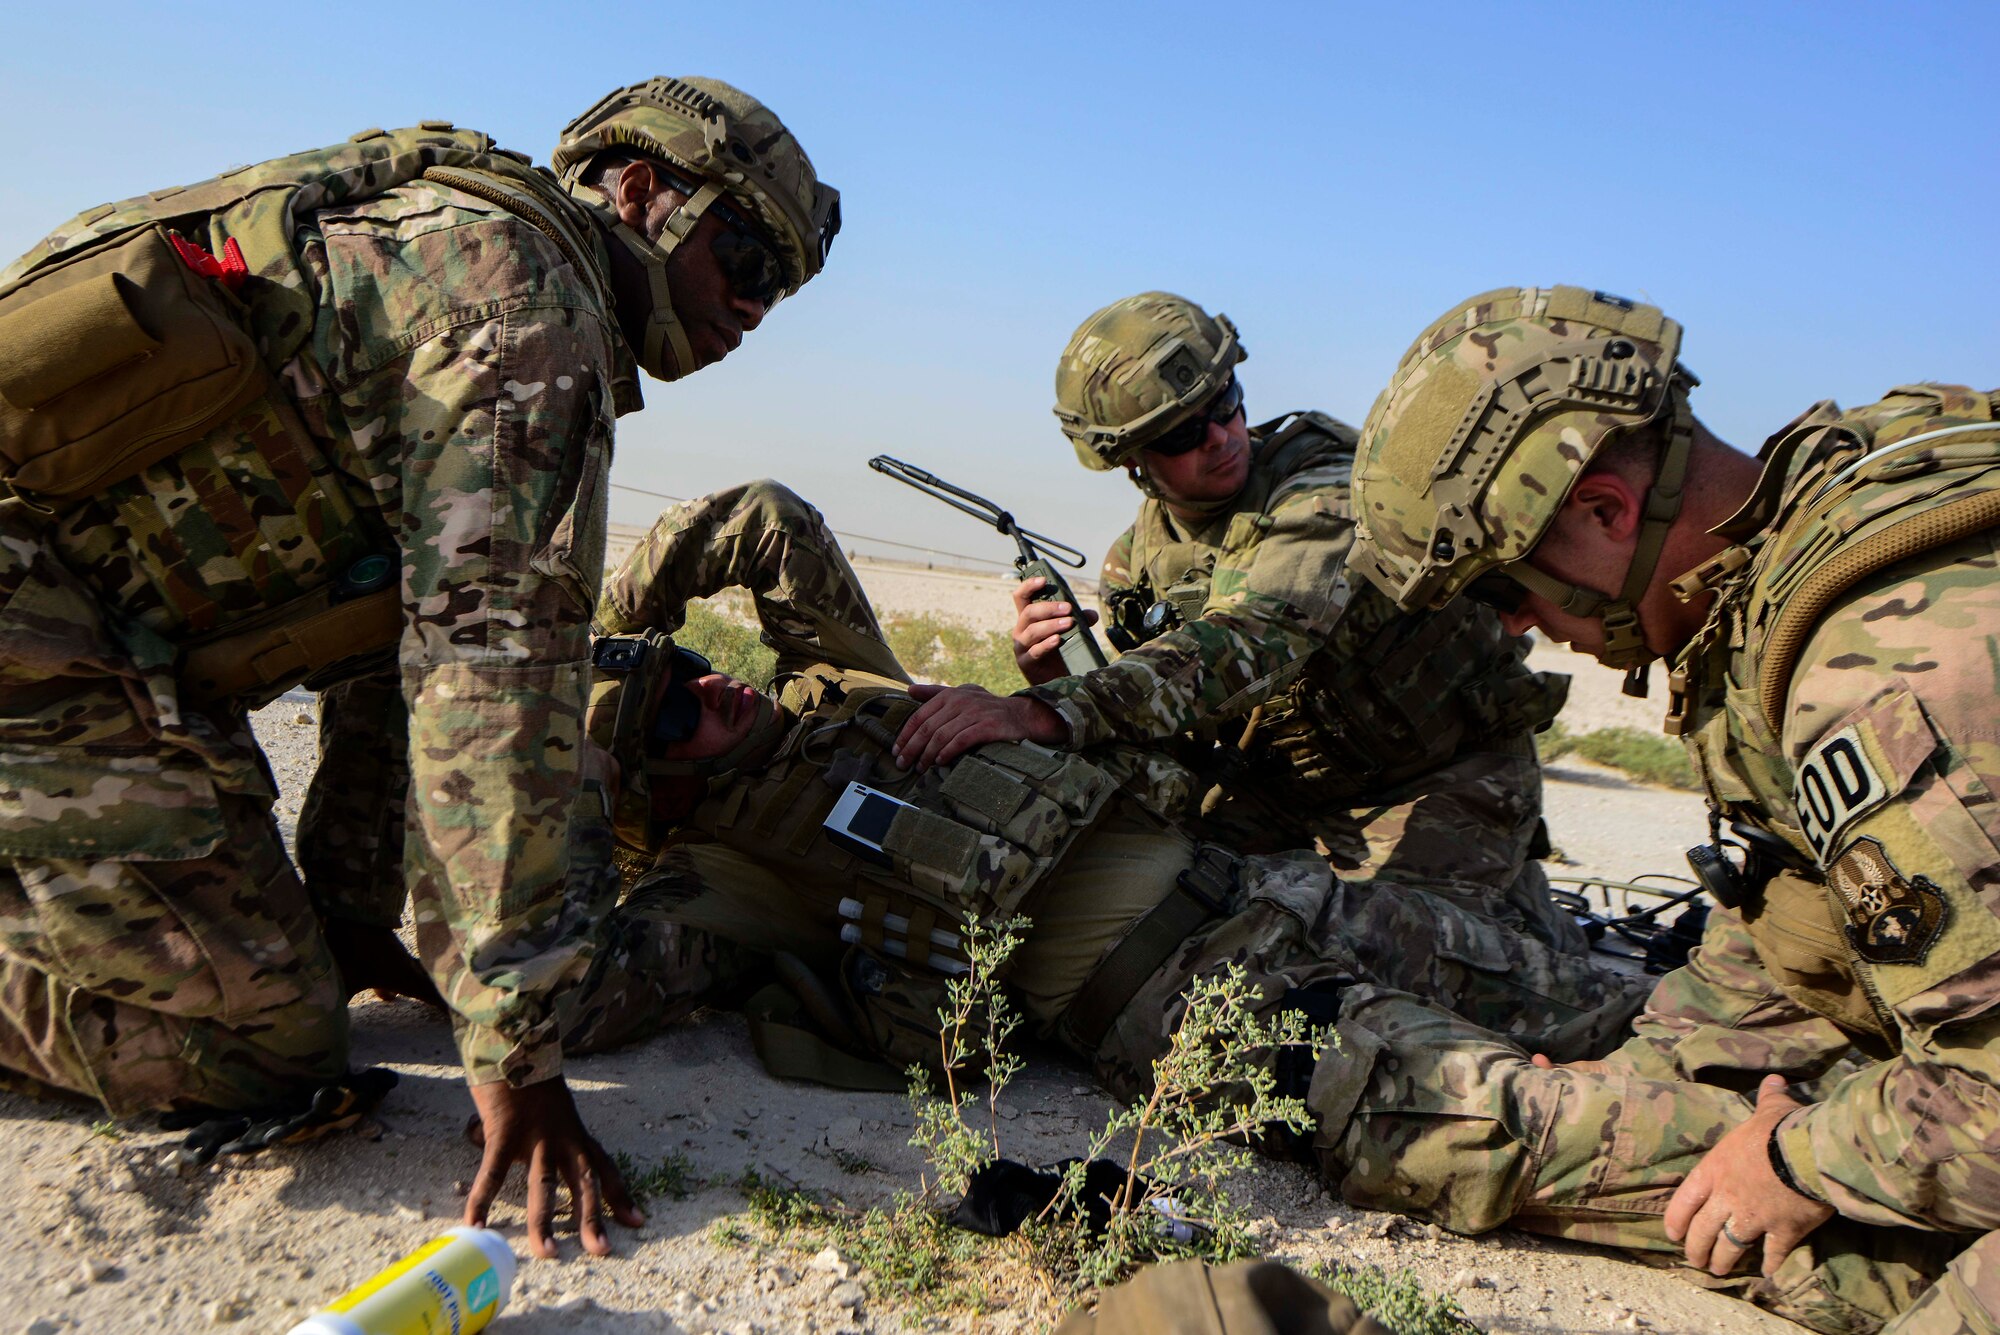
1827	615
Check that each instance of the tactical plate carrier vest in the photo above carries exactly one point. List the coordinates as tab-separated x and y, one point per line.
976	838
1391	695
140	417
1843	496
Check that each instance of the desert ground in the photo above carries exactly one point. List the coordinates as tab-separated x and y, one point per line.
113	1237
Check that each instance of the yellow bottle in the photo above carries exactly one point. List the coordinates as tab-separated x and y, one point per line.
453	1285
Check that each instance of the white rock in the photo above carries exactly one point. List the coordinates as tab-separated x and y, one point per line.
223	1312
831	1262
849	1294
407	1213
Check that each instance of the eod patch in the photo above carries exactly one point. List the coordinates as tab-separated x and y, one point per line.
1836	783
1891	918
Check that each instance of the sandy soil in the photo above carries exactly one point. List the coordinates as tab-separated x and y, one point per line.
111	1238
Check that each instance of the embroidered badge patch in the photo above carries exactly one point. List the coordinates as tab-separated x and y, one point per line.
1836	784
1891	918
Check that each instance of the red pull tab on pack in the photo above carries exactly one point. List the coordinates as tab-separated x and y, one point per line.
230	270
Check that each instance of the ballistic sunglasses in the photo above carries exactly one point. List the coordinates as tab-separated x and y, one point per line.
1190	435
679	713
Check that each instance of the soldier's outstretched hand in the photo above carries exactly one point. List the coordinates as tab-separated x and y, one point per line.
1038	631
1733	1200
955	719
538	1125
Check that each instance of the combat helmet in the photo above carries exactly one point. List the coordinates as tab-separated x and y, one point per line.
1492	415
1137	369
733	150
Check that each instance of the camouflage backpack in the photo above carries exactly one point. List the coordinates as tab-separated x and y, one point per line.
147	328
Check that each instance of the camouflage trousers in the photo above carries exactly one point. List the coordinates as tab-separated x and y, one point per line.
151	985
1294	926
1425	1113
1468	832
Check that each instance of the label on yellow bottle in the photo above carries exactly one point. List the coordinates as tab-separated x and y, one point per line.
446	1287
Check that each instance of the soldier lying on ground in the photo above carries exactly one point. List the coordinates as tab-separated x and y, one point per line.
1418	1110
349	424
1126	906
1830	621
1401	744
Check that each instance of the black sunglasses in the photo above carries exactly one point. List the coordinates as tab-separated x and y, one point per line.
679	713
1498	590
748	261
1191	434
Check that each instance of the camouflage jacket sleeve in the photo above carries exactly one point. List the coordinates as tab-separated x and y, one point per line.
470	371
1721	1020
763	537
1280	585
1893	755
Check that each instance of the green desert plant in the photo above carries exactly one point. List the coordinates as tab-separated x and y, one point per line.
1399	1301
1214	1092
1647	758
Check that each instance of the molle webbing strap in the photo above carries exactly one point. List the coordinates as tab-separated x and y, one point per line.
291	649
1925	531
1199	895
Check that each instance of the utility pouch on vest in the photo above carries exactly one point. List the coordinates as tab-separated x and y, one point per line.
116	358
1800	942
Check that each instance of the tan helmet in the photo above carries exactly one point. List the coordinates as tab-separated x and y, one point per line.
732	148
1137	369
1493	413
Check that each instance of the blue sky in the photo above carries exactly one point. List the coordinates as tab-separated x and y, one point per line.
1809	188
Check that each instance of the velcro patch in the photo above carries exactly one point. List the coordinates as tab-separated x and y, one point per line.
1891	918
1836	783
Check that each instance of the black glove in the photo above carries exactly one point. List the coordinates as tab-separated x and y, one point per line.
1003	1195
330	1108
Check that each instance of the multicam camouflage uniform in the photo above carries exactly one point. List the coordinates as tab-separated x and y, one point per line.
1402	746
456	390
1837	703
405	503
1399	744
1077	843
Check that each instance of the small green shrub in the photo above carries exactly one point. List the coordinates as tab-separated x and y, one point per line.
673	1176
1399	1301
1647	758
935	648
730	642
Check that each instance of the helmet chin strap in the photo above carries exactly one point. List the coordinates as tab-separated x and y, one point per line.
666	354
1624	640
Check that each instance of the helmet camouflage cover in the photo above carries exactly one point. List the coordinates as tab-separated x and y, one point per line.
1137	369
1492	415
717	134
